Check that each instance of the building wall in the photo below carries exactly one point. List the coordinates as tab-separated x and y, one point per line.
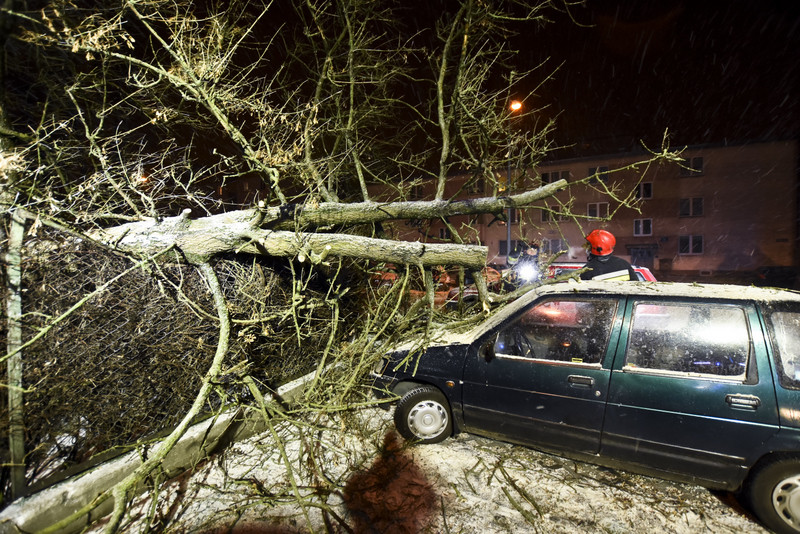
747	193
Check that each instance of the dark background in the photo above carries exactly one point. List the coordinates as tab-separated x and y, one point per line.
707	71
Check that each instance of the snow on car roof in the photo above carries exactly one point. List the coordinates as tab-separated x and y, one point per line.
723	291
655	289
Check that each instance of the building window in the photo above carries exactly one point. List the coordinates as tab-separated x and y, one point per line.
516	247
692	166
554	176
553	246
513	215
477	186
553	214
691	207
690	244
642	227
597	210
644	190
444	233
597	173
417	192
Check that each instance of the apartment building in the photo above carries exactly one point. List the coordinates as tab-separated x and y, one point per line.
729	213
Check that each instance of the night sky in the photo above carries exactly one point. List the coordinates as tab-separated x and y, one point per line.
709	71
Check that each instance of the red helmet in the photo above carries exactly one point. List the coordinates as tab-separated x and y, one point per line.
601	242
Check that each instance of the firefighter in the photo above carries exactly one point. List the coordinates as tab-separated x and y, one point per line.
601	263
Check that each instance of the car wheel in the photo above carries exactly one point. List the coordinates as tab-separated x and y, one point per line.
774	495
423	414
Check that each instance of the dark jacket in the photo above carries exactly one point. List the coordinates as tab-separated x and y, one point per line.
608	268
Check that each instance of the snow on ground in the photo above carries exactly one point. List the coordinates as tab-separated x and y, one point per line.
467	484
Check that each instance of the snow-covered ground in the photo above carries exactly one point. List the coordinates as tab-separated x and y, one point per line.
465	485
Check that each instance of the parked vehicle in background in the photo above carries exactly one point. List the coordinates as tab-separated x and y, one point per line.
776	276
385	275
447	290
681	381
556	269
469	293
644	274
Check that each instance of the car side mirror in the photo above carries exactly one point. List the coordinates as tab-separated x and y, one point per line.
487	349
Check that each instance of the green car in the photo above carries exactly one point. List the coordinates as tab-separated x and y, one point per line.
696	383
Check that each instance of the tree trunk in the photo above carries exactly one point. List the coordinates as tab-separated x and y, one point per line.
238	231
331	213
266	231
16	436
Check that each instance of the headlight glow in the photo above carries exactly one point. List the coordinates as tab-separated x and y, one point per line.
528	272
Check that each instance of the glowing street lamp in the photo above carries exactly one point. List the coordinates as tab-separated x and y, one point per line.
514	106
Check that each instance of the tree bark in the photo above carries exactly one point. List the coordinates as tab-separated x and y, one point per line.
204	238
265	231
331	213
16	415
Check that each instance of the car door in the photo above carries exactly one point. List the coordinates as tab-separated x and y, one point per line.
690	391
542	378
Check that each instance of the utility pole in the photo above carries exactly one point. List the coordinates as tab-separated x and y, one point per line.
515	106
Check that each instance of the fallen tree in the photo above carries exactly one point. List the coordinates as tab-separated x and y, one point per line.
263	127
261	231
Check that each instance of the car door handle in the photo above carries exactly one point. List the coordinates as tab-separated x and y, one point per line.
582	381
745	402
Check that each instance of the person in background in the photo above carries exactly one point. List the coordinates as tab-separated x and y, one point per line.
601	263
526	269
513	257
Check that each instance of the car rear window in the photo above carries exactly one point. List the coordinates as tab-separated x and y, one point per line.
784	326
700	339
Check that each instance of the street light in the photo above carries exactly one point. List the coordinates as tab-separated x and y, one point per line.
514	106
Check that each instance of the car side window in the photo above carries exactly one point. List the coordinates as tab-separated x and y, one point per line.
689	338
564	330
785	334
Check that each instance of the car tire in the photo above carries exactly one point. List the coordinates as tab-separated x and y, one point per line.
774	495
423	414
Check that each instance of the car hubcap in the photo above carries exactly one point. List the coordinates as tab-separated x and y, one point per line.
786	500
427	419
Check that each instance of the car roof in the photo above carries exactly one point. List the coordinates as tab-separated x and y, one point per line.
720	291
647	289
